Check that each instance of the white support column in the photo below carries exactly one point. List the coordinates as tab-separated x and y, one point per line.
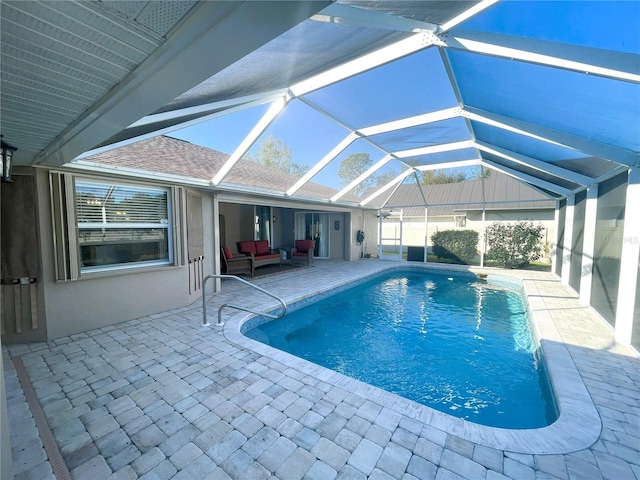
380	219
483	236
565	271
426	234
554	245
589	245
401	231
629	261
217	285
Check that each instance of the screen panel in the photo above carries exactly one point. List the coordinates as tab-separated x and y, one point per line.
579	211
610	219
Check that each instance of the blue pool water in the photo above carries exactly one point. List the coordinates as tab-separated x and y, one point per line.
456	344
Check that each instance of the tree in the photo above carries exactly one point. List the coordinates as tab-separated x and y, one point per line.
273	152
355	165
352	167
385	178
479	172
437	177
454	175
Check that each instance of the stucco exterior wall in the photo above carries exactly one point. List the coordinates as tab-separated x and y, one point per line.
86	304
337	239
93	302
233	218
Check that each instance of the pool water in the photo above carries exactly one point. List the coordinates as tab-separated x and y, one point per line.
454	343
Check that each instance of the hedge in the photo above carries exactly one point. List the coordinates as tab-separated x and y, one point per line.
458	246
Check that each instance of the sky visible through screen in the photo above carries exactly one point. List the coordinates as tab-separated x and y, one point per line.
419	84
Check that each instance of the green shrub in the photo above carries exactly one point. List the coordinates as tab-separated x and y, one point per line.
458	246
514	245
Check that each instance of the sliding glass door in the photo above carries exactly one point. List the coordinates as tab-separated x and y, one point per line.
314	226
262	223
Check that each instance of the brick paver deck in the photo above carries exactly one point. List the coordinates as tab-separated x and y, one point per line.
166	398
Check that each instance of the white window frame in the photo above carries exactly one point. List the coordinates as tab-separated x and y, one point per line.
168	226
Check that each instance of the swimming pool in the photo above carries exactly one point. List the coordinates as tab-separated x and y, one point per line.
453	343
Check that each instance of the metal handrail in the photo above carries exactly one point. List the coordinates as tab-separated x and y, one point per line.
237	307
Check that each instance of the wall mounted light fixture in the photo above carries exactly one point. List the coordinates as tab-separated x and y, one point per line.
7	159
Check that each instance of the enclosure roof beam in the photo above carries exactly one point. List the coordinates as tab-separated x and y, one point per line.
209	108
389	185
552	187
342	14
565	139
271	114
407	46
322	163
363	176
453	164
592	61
443	147
414	121
536	164
468	13
166	123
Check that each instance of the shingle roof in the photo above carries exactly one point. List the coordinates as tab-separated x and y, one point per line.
168	155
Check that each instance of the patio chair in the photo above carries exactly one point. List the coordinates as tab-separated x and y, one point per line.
303	250
236	264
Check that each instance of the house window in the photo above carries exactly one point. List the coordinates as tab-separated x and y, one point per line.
122	226
461	221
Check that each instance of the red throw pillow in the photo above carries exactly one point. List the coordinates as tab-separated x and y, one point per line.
227	253
247	247
262	247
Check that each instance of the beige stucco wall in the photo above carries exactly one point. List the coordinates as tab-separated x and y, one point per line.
238	223
93	303
337	240
102	300
367	221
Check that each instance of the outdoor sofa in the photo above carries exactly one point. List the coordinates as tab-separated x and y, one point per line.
260	252
236	264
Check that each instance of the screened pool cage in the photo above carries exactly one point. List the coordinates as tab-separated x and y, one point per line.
349	106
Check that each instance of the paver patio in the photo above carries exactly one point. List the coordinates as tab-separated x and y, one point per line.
164	397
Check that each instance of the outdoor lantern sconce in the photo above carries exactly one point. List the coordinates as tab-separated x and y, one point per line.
7	160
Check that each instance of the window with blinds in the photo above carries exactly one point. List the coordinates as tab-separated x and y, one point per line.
122	225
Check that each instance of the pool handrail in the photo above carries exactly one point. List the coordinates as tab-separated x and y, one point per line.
205	323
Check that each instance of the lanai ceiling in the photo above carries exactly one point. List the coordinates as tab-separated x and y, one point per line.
547	92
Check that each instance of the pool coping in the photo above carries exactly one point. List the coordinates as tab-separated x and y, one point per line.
578	425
